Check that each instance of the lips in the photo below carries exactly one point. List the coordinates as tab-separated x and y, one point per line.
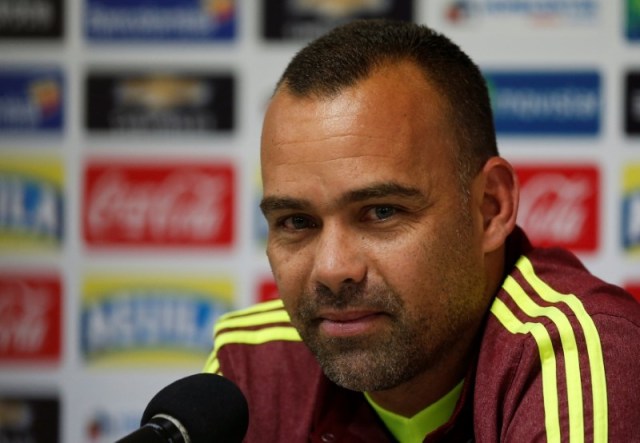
349	323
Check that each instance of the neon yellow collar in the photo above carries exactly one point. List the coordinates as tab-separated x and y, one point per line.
414	429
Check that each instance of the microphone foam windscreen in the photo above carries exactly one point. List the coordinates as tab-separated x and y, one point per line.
209	406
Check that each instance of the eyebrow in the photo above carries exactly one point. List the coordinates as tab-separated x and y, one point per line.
375	191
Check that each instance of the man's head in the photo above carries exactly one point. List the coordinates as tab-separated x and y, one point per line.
385	260
350	53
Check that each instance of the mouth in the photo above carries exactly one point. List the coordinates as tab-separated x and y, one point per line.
350	323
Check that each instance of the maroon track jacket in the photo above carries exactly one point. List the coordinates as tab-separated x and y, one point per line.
558	361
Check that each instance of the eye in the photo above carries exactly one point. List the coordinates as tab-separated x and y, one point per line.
379	213
297	222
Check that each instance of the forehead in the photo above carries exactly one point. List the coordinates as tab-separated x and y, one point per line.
390	126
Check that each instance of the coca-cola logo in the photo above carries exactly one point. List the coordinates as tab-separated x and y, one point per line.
167	205
30	318
559	205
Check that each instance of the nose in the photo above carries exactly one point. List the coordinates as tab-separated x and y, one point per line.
339	258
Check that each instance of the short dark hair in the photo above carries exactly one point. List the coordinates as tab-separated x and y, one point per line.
352	52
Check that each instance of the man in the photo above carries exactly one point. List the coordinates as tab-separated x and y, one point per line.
413	308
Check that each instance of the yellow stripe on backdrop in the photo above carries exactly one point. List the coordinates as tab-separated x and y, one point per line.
47	168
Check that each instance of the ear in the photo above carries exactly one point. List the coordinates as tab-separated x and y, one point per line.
499	205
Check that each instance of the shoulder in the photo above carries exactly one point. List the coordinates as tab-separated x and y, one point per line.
548	283
563	345
249	330
549	295
260	351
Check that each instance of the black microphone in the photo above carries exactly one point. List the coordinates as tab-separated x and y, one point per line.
200	408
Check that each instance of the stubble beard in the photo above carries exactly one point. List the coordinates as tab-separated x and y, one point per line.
413	341
393	355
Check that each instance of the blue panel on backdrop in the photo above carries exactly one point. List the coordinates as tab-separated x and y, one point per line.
546	103
165	20
31	100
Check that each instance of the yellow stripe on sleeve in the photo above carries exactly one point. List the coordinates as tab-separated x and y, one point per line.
257	315
569	350
253	337
592	339
254	309
548	362
212	365
257	337
259	318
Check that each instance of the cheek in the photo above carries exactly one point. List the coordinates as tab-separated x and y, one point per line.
407	267
290	273
423	267
403	266
409	254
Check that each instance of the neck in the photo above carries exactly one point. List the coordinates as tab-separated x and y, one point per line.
431	385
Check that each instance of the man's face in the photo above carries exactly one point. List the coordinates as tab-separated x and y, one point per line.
376	255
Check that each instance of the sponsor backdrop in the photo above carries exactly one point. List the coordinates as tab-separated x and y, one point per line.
129	136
